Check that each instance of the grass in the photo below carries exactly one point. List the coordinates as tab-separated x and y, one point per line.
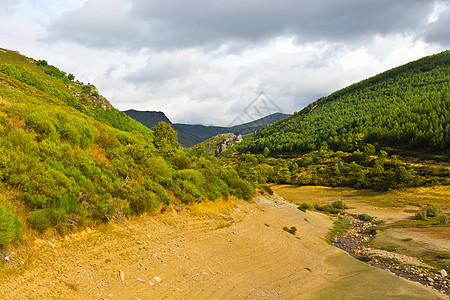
437	195
389	248
411	223
341	225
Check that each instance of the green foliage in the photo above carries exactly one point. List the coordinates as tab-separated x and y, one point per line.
339	204
443	219
340	226
389	248
405	109
10	226
304	206
432	211
66	165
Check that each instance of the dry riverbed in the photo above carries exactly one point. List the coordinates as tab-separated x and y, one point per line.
222	250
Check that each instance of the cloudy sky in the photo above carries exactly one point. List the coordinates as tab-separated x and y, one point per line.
204	61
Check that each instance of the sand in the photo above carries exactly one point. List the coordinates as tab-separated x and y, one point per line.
232	250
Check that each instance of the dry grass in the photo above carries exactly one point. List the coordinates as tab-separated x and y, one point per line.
437	195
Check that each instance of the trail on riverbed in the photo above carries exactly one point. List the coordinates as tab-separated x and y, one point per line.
236	251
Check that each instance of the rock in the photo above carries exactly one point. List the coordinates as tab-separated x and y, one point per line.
430	279
141	280
443	273
7	258
122	275
420	275
157	279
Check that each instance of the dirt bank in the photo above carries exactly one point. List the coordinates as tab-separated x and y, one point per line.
231	250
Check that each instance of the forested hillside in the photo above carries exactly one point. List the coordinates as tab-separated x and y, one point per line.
386	132
406	109
68	158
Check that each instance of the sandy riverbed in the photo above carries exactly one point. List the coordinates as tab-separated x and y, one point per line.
233	250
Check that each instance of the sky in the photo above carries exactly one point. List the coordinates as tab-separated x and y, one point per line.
206	61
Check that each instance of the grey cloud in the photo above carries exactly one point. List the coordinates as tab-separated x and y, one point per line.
438	31
7	6
173	24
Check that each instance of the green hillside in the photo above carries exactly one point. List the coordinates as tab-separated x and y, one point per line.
406	109
387	132
69	159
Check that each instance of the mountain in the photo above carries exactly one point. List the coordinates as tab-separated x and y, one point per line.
148	118
189	134
404	110
68	158
194	134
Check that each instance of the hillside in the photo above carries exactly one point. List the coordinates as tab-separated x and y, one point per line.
69	159
387	132
190	134
406	109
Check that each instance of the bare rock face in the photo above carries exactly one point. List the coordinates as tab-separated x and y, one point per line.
229	141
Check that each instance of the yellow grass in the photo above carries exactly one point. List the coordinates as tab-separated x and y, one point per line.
437	195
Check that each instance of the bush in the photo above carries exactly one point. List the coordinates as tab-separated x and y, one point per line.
443	219
267	189
365	217
304	206
432	211
291	230
10	226
421	215
339	204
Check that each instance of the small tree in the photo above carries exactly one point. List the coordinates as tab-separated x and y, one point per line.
165	140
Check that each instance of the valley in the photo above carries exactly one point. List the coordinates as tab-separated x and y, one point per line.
94	204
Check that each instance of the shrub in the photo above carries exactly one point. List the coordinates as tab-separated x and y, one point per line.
291	230
339	204
432	211
421	215
304	206
10	226
443	219
365	217
267	189
39	220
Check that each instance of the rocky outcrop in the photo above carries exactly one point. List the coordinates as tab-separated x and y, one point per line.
229	141
91	95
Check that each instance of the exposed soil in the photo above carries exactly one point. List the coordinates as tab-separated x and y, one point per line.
229	250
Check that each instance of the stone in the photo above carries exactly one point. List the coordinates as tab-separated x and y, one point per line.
443	273
122	275
157	279
7	258
141	280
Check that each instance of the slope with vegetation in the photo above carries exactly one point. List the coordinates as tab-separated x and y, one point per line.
377	134
67	159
